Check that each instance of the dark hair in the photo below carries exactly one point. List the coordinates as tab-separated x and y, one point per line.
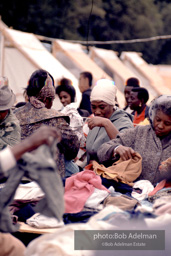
142	93
20	104
37	82
65	81
133	82
66	86
88	75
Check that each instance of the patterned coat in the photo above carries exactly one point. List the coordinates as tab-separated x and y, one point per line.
32	118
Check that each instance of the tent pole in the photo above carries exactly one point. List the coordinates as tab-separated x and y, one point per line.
2	56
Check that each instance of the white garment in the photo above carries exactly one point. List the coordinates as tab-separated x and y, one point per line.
7	160
76	121
61	243
27	191
96	198
159	222
41	221
145	186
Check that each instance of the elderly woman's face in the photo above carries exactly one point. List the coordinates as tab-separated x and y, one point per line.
101	108
162	124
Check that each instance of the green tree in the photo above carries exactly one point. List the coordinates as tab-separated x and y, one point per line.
164	56
109	20
130	20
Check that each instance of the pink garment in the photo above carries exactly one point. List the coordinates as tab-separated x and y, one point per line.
78	188
158	187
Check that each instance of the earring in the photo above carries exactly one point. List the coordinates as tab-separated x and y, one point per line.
140	105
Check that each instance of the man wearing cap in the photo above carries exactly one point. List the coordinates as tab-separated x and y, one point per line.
9	125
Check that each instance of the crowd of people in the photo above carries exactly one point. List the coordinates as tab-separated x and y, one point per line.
76	152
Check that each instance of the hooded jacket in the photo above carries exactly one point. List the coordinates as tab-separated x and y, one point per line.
98	135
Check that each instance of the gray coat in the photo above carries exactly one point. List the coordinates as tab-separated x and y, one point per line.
144	141
10	131
98	135
41	168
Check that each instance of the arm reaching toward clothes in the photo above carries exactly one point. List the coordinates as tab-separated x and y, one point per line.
124	152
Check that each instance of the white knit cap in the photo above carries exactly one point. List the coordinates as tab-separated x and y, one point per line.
104	90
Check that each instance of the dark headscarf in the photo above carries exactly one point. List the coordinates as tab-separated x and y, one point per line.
38	90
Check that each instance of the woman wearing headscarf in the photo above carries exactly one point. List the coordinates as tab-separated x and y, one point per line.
152	142
38	111
108	119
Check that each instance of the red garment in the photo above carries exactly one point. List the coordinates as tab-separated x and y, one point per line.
139	118
78	188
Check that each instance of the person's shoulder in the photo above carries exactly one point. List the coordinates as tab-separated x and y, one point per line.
83	112
22	109
10	121
87	92
29	114
120	113
143	128
53	113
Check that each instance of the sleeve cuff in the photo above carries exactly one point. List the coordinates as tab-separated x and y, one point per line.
115	150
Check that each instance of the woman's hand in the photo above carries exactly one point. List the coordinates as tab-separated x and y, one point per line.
96	121
124	152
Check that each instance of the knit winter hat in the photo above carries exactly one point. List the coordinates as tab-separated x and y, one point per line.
104	90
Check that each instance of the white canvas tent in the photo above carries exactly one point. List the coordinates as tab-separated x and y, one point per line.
151	79
109	59
76	60
22	54
165	72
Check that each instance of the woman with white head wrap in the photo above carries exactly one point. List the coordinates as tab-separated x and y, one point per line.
108	119
105	90
152	142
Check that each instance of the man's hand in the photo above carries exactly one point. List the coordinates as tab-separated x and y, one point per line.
124	152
